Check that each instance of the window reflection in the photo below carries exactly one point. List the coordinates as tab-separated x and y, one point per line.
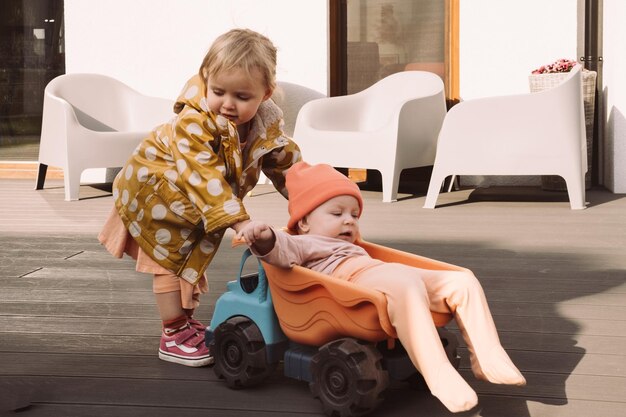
31	54
389	36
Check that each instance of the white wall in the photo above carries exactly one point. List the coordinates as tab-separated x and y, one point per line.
156	45
614	62
501	42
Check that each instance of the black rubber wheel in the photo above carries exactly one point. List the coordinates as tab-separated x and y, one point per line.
348	377
239	351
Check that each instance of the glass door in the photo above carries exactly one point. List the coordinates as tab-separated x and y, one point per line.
371	39
389	36
31	54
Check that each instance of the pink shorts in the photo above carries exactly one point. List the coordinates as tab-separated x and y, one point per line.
116	239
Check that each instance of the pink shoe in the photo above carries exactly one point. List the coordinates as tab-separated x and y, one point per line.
200	327
185	348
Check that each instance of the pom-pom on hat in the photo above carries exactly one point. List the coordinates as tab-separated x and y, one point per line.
310	186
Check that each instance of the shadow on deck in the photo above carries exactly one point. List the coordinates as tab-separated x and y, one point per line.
79	329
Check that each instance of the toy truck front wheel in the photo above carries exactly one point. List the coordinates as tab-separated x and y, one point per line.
240	355
348	377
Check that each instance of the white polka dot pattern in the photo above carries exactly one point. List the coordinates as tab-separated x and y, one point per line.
203	157
134	229
193	129
189	274
232	207
204	106
181	165
125	197
163	236
142	174
214	187
185	248
160	253
191	92
171	175
206	246
151	153
195	179
184	184
159	212
183	144
178	208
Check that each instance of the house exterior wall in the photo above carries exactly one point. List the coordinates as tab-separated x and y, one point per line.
614	71
501	42
154	46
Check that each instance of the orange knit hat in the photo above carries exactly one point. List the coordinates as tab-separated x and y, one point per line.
309	186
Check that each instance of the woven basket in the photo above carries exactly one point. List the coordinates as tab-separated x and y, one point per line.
540	82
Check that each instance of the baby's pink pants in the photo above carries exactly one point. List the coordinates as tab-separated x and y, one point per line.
412	294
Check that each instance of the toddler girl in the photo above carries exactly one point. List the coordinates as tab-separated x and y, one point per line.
184	184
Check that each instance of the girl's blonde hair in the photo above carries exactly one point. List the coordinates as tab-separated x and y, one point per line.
241	49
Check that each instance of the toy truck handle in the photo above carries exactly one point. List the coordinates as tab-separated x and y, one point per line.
249	296
253	283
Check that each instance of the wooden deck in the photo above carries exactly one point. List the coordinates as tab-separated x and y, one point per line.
79	330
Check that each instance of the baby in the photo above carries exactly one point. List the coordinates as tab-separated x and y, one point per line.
324	208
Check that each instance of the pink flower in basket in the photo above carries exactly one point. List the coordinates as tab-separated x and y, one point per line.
561	65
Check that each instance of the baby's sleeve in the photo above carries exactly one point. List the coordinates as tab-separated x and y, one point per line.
287	252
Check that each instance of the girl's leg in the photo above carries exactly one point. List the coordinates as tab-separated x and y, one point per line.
408	308
190	296
180	342
176	297
167	293
169	305
461	293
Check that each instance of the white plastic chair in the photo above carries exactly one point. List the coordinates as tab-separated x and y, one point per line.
290	98
93	121
390	126
529	134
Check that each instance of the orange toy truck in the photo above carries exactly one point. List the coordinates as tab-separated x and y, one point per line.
331	333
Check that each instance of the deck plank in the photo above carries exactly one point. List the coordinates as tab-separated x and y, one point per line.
79	329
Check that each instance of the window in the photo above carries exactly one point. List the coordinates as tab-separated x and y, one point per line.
371	39
31	54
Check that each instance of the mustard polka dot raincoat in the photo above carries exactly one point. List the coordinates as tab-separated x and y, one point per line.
184	184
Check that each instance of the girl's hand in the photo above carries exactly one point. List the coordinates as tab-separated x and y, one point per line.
238	226
258	235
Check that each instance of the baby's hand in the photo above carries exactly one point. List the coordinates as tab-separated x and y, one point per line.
259	235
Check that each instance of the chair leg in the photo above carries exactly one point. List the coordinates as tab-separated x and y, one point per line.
453	184
41	176
576	191
71	180
390	186
436	180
